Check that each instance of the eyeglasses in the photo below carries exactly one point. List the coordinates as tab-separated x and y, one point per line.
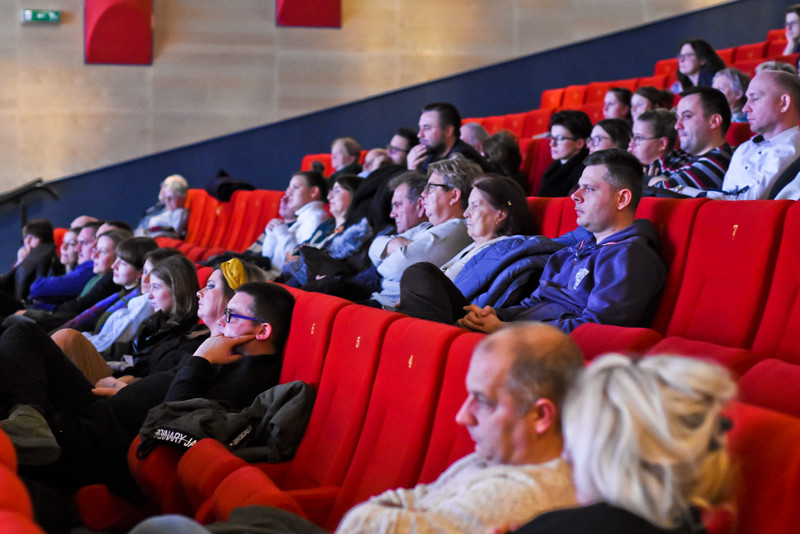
681	57
597	139
391	148
559	138
228	314
638	139
429	187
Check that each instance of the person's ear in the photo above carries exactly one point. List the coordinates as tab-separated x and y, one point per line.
450	131
264	332
546	415
715	121
316	194
581	143
456	198
624	197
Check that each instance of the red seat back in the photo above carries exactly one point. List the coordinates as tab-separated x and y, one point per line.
392	443
574	96
325	159
738	133
252	210
594	110
514	123
658	81
546	213
729	266
541	160
669	68
202	214
674	221
750	51
536	122
551	98
596	91
772	383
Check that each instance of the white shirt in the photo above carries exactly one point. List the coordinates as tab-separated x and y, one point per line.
755	166
284	237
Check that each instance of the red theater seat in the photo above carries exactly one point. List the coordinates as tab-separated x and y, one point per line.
594	110
536	122
14	495
669	68
325	159
541	160
658	81
514	123
738	133
551	98
546	213
8	456
574	96
773	384
597	339
726	55
750	51
596	91
15	523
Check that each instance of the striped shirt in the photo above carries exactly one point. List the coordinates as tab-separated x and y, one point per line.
705	171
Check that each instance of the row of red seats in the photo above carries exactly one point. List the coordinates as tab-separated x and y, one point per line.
16	510
216	226
729	296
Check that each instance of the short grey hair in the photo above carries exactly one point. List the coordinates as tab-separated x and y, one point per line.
458	172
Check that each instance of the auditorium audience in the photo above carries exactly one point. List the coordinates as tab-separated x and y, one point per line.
581	282
568	132
68	252
646	440
697	64
169	216
654	135
374	159
733	84
400	144
617	104
610	133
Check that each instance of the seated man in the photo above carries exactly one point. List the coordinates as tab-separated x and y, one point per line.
568	132
436	241
703	120
474	135
439	137
611	274
773	111
516	384
305	200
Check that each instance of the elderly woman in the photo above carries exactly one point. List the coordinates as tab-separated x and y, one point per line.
646	440
653	138
610	133
498	269
169	216
733	84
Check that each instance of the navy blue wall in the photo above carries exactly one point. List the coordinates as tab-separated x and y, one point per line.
266	156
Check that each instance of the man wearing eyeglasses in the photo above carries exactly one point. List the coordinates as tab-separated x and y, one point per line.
435	241
704	116
568	131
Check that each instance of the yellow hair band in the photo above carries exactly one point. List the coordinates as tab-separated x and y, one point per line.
233	271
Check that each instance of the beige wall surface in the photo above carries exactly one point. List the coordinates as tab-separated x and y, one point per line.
222	65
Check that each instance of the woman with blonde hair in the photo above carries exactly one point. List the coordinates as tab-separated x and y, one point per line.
646	440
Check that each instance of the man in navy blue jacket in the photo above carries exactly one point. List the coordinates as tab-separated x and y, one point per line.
611	274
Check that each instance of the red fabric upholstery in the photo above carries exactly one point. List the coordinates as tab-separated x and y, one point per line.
14	496
597	339
202	212
574	97
536	122
541	160
750	51
157	476
763	444
669	68
15	523
594	110
778	34
726	55
772	383
309	335
735	359
778	333
527	149
658	81
738	133
101	510
325	159
748	66
203	467
569	220
630	83
392	443
596	92
8	456
493	124
449	440
729	266
674	221
514	123
775	48
551	98
546	213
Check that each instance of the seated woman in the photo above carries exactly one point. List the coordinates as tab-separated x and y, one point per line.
169	216
114	336
653	138
36	257
646	440
610	133
617	104
647	98
100	286
697	64
502	151
499	268
342	250
568	131
40	390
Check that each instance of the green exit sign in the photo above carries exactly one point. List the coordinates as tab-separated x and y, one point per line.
41	15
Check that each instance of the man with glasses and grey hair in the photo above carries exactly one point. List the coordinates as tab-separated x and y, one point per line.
436	241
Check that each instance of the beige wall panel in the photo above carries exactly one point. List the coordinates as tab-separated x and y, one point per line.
222	65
